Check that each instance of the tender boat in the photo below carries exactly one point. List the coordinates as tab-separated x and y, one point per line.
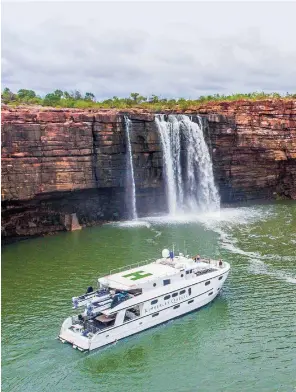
142	296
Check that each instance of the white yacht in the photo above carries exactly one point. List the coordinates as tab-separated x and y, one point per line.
142	296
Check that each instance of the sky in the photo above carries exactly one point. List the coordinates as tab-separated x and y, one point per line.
170	49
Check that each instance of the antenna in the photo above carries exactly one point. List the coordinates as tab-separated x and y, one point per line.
185	250
178	248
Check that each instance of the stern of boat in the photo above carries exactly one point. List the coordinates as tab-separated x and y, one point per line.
71	333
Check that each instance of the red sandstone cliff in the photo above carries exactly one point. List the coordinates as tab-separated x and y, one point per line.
258	155
49	153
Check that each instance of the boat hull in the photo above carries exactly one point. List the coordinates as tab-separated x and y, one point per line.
200	296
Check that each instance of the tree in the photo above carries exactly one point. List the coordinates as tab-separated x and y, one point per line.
7	95
24	94
76	94
51	99
66	95
154	99
137	98
58	93
134	96
89	97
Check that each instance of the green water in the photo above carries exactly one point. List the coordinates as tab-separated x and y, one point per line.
244	341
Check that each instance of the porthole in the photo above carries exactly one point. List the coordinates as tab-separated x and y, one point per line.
182	275
182	292
174	294
190	302
167	297
220	277
155	314
207	283
154	302
154	284
210	293
176	306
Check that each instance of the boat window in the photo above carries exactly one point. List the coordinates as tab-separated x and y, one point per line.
189	291
166	281
176	306
155	314
190	302
182	275
208	282
154	284
220	277
132	313
174	294
210	293
154	302
167	297
187	272
182	292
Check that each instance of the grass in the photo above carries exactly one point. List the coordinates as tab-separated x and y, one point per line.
154	103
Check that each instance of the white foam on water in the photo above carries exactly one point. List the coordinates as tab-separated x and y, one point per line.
257	265
228	243
132	223
230	218
290	279
158	233
211	220
222	222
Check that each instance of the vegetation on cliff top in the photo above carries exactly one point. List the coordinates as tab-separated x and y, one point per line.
75	99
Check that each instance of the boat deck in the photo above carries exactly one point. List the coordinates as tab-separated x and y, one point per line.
132	278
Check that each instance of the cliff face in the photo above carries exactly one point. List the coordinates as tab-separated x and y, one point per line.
256	156
58	162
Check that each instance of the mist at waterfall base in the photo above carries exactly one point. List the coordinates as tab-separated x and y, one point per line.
187	170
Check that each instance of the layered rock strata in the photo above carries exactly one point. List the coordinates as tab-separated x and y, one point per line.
59	162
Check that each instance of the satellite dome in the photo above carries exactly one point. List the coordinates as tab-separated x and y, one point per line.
165	253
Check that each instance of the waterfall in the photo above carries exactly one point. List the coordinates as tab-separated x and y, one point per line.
191	187
130	188
165	130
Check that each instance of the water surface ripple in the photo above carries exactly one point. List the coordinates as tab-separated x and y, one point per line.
244	341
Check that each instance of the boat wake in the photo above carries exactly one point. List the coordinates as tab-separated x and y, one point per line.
256	260
224	222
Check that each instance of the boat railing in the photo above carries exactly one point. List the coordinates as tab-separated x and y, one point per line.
144	262
130	266
215	263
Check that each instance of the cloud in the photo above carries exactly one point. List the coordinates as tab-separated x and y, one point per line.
169	49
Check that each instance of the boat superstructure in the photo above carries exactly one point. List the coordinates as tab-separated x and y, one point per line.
142	296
